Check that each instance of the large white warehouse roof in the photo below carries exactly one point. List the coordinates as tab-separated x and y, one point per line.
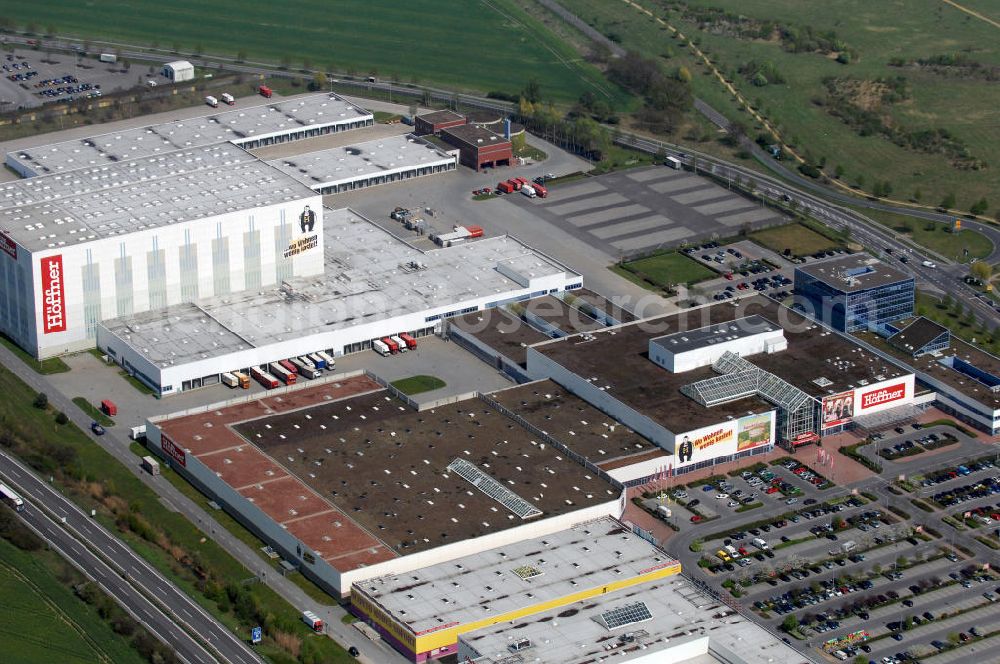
240	125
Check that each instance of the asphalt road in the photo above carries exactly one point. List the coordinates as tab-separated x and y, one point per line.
123	573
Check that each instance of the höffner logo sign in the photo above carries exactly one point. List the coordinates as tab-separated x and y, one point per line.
883	395
53	306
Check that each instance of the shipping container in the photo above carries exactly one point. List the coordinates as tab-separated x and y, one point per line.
281	373
410	341
229	380
228	98
243	379
393	346
264	378
380	348
318	361
109	407
265	91
330	362
402	345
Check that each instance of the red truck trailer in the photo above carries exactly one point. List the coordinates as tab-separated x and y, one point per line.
505	187
410	341
264	378
393	346
109	407
540	191
474	231
284	375
265	91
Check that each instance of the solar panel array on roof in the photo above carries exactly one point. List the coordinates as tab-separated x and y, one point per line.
623	616
498	492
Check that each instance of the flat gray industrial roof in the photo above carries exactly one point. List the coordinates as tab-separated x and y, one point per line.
681	342
383	156
680	613
370	275
93	203
516	576
854	272
236	125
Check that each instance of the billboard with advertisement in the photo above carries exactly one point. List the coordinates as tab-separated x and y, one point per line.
53	306
754	431
838	409
882	396
705	444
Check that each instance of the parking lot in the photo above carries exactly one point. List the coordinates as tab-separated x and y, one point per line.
32	78
646	208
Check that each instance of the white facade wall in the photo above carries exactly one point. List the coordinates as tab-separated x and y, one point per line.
642	469
530	530
885	387
337	339
541	366
660	353
109	258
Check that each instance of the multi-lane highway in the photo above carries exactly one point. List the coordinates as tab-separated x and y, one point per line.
164	609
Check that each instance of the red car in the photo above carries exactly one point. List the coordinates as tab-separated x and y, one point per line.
772	489
728	276
696	518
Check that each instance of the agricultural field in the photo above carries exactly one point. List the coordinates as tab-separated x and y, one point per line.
484	45
43	621
935	134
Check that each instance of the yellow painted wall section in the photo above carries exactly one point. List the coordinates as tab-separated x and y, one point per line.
449	636
382	619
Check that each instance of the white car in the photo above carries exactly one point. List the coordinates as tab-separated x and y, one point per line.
732	503
721	496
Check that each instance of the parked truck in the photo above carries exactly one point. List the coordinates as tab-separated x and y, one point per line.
212	101
458	234
528	191
381	347
540	190
230	380
108	57
402	345
410	341
505	187
264	378
243	379
673	162
283	374
10	497
228	99
150	465
393	346
314	621
265	91
760	543
307	370
109	407
138	432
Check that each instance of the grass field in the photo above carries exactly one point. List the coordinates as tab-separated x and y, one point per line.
936	236
93	412
800	240
50	366
44	622
475	45
418	384
967	107
92	472
664	271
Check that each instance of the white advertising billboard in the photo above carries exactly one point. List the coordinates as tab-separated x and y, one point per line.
884	395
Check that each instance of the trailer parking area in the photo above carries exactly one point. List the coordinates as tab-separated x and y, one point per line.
632	212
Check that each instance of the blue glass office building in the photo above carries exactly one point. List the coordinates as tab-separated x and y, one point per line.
854	293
